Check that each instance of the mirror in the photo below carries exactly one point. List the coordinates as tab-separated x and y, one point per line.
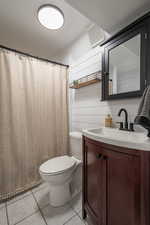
124	67
124	63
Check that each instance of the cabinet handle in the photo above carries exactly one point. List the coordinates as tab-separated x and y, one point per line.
105	157
99	156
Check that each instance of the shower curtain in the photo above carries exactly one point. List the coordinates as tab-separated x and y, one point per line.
33	119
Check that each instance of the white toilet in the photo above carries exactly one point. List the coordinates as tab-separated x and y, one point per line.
61	173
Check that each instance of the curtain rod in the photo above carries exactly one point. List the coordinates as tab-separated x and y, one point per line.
32	56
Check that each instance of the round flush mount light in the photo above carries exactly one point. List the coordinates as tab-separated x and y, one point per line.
51	17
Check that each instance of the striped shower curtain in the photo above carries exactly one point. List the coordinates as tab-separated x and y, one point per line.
33	119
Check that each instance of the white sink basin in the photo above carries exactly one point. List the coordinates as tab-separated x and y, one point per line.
135	140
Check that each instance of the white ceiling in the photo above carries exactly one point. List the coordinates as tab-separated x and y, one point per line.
20	29
111	15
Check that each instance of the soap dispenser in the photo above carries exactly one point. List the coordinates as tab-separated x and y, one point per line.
108	121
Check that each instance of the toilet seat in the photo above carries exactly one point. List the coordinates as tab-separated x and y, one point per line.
57	165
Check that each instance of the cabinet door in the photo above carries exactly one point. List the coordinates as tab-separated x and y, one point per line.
124	64
93	182
123	188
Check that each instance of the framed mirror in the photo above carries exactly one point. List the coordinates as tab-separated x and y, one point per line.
124	64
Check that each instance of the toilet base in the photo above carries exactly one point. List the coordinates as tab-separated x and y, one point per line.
60	194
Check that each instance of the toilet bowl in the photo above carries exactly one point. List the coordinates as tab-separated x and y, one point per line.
57	172
62	175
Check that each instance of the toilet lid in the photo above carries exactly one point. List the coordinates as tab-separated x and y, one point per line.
57	164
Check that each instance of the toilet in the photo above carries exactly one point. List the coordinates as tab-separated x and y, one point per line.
63	173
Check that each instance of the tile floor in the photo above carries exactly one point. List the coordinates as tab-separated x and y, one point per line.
32	208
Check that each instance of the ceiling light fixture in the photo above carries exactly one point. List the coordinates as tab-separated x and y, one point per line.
51	17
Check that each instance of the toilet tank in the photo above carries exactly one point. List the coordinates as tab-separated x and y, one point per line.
76	145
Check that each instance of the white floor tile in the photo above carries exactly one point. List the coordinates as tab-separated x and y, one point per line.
35	219
76	203
18	197
3	217
39	187
80	215
42	197
85	220
59	215
21	209
75	221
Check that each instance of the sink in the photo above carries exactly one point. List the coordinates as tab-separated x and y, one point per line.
135	140
118	134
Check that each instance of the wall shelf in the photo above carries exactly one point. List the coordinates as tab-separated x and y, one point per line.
86	80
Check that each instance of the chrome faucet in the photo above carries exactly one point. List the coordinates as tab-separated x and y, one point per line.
124	126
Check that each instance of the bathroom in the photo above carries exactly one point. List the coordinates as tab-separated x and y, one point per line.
74	112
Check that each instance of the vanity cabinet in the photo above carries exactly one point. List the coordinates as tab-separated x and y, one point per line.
93	184
116	184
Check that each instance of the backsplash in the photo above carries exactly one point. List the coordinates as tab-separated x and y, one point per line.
86	108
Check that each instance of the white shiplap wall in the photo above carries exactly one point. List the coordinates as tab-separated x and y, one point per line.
85	105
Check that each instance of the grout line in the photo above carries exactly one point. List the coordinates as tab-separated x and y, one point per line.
25	218
69	219
7	213
9	203
81	216
39	209
47	205
76	213
37	190
83	220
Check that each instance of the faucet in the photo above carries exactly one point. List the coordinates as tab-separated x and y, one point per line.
125	127
126	117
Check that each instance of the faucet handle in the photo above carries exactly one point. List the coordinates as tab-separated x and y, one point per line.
121	125
126	125
131	126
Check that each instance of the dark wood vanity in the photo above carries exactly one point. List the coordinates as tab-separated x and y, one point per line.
116	184
116	180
